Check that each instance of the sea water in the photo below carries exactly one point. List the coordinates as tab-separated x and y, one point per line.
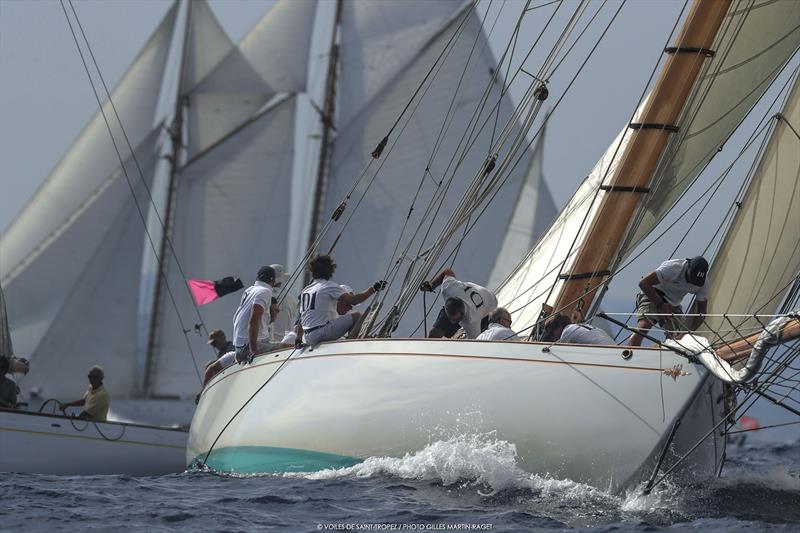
465	483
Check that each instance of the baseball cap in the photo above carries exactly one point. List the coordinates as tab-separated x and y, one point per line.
696	273
266	274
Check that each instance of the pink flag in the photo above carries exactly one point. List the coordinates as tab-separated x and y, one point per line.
203	291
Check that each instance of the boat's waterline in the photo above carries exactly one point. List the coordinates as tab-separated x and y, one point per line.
272	460
591	414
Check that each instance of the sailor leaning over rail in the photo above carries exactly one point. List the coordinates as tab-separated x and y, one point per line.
319	301
663	291
252	318
467	305
559	328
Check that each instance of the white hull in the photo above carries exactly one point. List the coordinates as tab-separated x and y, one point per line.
576	412
52	444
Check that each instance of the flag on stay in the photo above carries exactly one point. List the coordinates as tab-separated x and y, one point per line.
205	290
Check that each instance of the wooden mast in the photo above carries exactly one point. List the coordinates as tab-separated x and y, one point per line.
176	136
649	138
327	115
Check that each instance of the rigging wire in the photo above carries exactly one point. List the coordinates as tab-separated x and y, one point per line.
127	178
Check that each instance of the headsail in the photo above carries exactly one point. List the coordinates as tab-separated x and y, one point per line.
760	255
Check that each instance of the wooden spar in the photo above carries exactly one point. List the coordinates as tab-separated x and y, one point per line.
739	349
176	136
639	160
328	111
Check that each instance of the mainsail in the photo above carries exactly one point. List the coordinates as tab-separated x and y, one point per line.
760	255
746	60
365	253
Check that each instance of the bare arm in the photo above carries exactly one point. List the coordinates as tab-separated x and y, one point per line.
253	327
437	279
355	299
76	403
647	286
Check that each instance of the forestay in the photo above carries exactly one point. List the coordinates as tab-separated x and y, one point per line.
760	254
230	219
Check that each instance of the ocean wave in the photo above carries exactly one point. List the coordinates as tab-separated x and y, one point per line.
480	460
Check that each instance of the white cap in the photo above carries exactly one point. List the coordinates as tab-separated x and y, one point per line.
280	273
347	288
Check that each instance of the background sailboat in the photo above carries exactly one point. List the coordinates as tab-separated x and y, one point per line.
221	169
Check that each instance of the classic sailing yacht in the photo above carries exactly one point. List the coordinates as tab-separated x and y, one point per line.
611	416
230	164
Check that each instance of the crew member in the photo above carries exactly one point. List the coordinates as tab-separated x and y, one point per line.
499	327
319	300
662	293
219	342
251	320
285	321
559	328
95	400
467	305
8	387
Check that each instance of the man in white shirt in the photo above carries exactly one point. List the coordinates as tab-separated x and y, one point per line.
559	328
499	327
663	292
467	305
252	318
285	321
320	299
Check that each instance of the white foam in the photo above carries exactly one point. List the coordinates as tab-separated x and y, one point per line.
479	459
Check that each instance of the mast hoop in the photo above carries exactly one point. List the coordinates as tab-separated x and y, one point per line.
653	126
690	50
625	188
586	275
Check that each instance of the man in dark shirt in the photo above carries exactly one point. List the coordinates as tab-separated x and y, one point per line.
8	389
217	339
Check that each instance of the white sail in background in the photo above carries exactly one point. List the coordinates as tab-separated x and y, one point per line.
364	253
74	304
271	58
206	44
231	217
756	39
378	40
91	158
760	254
533	213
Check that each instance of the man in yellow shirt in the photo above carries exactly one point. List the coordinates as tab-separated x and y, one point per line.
95	400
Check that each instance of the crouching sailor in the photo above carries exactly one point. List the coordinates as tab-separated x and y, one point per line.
467	305
499	327
320	299
252	318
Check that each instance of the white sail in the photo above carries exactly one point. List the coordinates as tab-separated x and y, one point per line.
536	280
73	304
91	158
378	39
206	44
760	254
756	39
231	217
533	213
271	58
364	253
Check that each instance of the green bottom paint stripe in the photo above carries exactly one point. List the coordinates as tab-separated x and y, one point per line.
271	460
